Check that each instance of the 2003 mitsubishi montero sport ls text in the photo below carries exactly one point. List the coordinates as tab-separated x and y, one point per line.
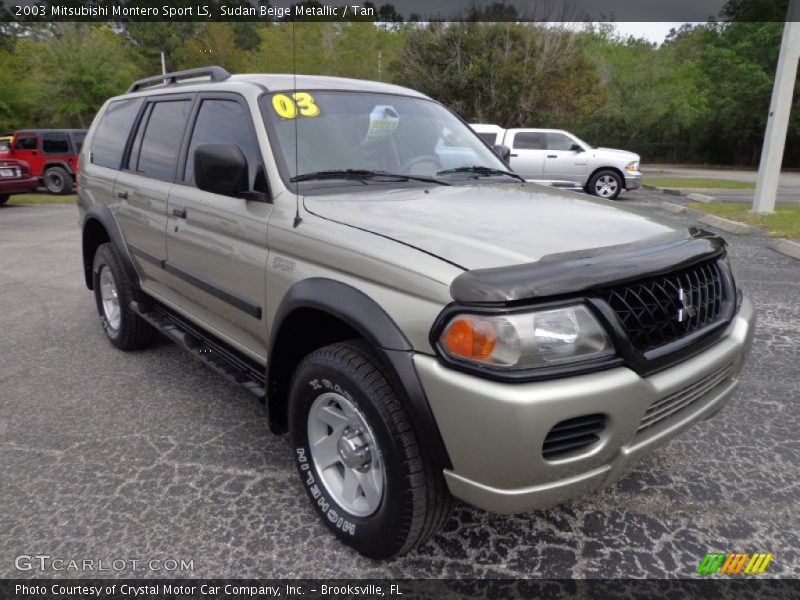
423	323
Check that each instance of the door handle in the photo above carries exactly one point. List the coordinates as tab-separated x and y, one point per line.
122	195
179	212
552	156
513	154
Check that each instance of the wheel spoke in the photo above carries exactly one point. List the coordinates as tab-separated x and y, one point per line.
369	486
330	416
350	486
325	451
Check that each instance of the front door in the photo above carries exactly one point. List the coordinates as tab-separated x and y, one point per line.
217	244
26	147
562	162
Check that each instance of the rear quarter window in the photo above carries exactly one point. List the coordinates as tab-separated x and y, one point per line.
55	142
108	143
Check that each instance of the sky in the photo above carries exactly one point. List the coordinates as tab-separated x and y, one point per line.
653	32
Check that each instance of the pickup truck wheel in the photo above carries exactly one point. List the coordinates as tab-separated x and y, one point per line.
606	184
4	198
358	456
113	293
57	180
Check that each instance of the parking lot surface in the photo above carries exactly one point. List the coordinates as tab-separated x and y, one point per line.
151	456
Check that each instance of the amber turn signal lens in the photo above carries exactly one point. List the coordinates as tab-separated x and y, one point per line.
469	337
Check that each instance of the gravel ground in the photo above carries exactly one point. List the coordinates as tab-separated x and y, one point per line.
150	455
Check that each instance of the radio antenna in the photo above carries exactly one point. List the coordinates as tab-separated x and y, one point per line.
297	218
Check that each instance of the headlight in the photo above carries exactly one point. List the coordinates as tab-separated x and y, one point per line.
632	166
526	340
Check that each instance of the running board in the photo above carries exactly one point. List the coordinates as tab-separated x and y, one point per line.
205	348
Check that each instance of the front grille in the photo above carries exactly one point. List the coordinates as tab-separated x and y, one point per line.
573	434
663	309
661	409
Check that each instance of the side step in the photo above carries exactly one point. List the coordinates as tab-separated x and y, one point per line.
205	348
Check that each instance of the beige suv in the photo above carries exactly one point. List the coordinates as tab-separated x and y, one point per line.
421	321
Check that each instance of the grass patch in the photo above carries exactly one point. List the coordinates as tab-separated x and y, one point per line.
42	199
784	222
699	182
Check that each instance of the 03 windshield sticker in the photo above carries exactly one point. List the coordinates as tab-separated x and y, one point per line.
289	106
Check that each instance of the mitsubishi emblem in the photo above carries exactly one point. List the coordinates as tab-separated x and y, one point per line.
686	310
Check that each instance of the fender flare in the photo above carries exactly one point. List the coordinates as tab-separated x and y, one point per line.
366	316
58	163
101	214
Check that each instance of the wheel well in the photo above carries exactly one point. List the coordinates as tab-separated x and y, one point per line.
61	164
615	169
94	234
301	332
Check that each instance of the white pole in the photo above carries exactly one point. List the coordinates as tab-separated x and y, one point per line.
780	107
163	65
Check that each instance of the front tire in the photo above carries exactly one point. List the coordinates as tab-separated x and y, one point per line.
57	180
4	198
113	294
605	184
358	456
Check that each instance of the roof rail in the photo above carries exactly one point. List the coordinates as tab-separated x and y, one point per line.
216	74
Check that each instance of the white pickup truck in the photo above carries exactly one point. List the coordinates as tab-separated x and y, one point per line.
560	159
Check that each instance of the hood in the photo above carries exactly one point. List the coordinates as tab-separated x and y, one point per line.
622	154
490	225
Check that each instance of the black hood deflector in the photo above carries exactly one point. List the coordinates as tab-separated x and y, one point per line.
569	272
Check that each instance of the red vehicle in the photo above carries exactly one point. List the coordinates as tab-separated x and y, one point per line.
15	178
52	155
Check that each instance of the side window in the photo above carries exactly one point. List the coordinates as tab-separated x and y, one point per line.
559	141
226	122
77	141
489	138
25	142
108	143
55	142
529	141
161	143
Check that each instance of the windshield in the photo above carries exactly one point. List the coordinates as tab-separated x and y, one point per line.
356	132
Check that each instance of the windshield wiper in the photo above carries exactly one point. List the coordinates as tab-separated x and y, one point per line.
363	174
481	171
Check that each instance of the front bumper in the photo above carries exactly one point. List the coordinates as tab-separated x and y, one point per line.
494	431
633	180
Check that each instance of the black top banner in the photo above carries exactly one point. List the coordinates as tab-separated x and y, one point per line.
398	11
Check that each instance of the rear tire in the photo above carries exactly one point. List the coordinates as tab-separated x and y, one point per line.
348	424
113	294
4	198
605	184
57	180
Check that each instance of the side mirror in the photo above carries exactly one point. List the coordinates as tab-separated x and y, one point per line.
577	148
221	169
504	152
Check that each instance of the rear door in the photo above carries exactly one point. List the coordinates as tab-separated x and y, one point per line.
527	152
217	244
562	162
142	187
26	147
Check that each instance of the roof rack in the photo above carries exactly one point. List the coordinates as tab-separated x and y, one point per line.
216	74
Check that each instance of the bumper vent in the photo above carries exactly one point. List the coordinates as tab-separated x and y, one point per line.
663	309
573	434
661	409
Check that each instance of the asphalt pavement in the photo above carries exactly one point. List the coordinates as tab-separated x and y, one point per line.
150	456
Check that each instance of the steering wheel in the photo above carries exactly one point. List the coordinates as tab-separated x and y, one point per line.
417	160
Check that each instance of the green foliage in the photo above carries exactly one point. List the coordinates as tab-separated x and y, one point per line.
507	73
702	96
